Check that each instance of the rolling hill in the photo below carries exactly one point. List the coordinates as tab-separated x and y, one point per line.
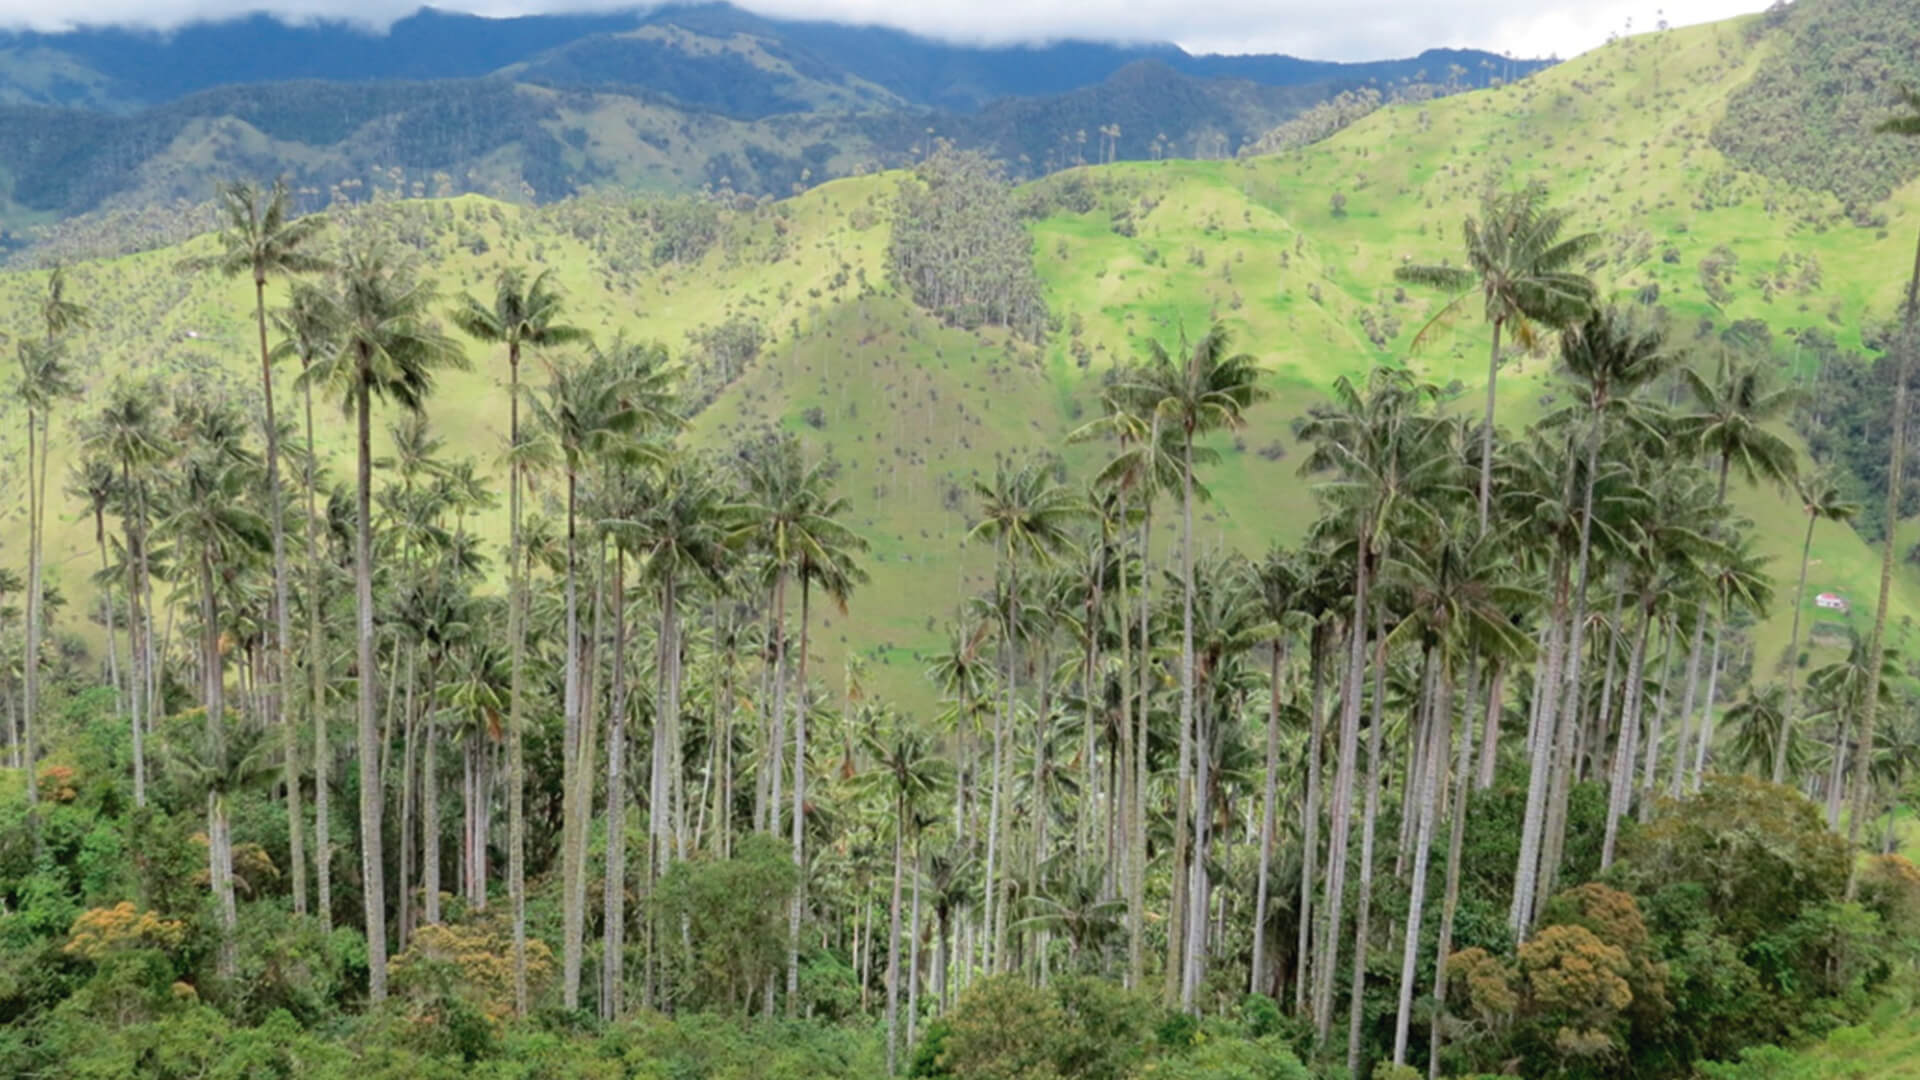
1294	251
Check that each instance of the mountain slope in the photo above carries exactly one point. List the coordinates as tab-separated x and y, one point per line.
913	410
123	68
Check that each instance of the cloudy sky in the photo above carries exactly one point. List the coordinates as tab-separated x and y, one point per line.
1348	30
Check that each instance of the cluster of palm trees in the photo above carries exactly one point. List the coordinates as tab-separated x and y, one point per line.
1199	758
715	543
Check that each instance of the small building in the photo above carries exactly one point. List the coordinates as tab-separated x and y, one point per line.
1830	602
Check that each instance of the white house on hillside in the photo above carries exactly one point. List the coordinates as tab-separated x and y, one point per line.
1830	602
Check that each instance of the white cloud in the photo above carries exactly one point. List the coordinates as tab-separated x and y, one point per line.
1354	30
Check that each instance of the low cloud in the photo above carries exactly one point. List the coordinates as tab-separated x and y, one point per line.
1356	30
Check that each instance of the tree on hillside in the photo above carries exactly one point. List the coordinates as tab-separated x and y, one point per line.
387	346
524	315
958	246
1205	391
45	382
308	335
1907	124
261	238
1523	269
1821	500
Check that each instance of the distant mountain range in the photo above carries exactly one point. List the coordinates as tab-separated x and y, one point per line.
668	99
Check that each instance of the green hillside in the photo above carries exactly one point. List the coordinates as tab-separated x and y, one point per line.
1295	252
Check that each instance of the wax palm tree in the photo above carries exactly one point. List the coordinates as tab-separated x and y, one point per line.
218	761
1608	359
1847	689
1027	514
790	513
94	480
386	346
676	529
1281	578
1149	460
908	773
1207	390
127	433
1388	459
1735	407
1763	731
1463	594
213	532
1821	500
1906	124
45	382
1523	268
583	417
307	329
261	238
1666	557
524	315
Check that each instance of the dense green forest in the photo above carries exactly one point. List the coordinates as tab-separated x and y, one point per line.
358	748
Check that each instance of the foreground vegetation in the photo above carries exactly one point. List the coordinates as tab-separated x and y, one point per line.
1493	767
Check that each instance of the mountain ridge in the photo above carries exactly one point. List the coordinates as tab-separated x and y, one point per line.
145	67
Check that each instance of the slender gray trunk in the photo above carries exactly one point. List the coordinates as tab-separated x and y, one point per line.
1456	844
1257	976
1877	648
1439	725
1363	903
1677	777
1706	711
1342	812
1620	790
372	863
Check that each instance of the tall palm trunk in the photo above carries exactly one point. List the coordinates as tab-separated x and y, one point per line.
1620	789
1439	726
516	755
614	892
1555	831
991	900
1137	865
1257	973
795	910
1341	823
572	880
316	710
282	650
1456	844
1677	777
1526	878
1310	815
1196	912
913	946
1486	426
1706	711
1779	774
36	510
429	805
777	747
372	861
1363	904
1877	647
137	679
219	842
893	939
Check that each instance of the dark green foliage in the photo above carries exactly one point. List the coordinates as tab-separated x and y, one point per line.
724	920
1077	1029
958	246
1808	113
1846	422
